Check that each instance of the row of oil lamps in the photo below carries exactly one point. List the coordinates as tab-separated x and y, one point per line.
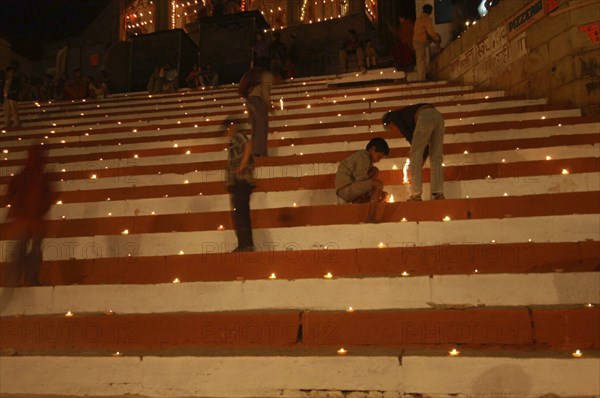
342	351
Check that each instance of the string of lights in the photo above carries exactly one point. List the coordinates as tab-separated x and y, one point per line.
139	14
139	18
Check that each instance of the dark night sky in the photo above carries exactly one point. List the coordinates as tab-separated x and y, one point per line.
27	23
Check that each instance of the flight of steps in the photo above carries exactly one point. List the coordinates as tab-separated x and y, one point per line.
505	271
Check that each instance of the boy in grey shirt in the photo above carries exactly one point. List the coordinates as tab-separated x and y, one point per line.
357	180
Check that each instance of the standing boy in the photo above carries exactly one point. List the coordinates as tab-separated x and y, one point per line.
10	96
357	180
422	125
240	182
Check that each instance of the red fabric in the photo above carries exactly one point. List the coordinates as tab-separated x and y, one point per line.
403	55
29	192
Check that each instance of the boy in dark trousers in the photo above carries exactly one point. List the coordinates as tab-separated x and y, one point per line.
240	182
357	180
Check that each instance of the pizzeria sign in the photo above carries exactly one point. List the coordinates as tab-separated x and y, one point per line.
526	17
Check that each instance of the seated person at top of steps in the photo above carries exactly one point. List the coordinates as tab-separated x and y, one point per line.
352	46
357	180
423	127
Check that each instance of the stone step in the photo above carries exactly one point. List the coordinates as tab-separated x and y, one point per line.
190	180
581	203
121	244
447	102
312	294
436	259
322	157
554	329
420	372
318	97
472	189
577	133
212	122
292	98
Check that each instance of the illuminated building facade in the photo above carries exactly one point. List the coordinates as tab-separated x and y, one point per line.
147	16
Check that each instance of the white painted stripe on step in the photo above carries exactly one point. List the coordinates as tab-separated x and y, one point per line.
487	376
196	376
90	112
482	160
296	376
208	105
512	134
318	294
171	117
565	228
533	185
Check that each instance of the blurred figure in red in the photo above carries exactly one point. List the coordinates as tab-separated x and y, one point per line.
30	196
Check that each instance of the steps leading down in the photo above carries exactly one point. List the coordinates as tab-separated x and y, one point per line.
491	292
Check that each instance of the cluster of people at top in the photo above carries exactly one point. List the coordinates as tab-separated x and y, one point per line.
357	180
164	79
274	55
366	55
202	77
413	39
16	87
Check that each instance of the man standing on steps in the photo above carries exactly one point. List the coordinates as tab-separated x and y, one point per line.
10	89
423	127
357	180
423	34
240	182
255	87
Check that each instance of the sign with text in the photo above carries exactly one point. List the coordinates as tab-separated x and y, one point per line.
526	17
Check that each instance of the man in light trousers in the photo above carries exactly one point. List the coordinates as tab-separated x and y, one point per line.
423	127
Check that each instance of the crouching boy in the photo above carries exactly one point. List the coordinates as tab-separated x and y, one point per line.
357	180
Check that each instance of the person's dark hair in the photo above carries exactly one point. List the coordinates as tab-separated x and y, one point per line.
428	9
380	145
353	32
11	68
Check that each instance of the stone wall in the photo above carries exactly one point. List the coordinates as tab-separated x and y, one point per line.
531	52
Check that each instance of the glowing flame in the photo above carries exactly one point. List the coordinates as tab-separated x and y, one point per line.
405	172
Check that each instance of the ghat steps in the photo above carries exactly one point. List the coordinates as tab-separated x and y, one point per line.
511	280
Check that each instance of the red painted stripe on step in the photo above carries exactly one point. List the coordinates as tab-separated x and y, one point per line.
390	262
459	209
449	149
523	172
490	328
